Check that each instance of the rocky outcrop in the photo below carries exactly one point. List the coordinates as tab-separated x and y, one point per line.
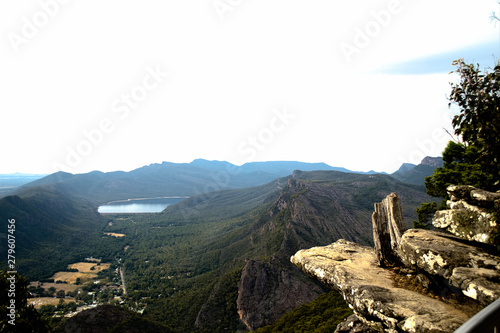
435	162
446	279
268	290
370	290
307	212
464	265
354	324
469	215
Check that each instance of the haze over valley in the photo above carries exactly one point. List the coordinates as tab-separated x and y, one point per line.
174	265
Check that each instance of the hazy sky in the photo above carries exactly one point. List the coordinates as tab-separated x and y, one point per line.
115	85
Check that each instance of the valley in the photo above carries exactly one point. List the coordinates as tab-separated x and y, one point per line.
196	265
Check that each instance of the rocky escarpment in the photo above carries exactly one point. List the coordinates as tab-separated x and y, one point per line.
312	208
437	282
267	290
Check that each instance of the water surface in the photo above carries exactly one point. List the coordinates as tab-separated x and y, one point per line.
139	205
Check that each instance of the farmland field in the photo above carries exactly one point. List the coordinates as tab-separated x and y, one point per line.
86	267
66	287
40	301
85	272
114	234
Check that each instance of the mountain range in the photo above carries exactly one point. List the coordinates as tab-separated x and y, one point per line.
199	176
415	174
218	260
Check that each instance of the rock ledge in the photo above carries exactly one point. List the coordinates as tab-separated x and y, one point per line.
370	290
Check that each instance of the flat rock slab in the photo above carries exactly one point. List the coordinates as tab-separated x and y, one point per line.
465	265
352	269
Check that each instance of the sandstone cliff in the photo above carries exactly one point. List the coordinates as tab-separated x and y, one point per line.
267	290
313	208
438	282
372	291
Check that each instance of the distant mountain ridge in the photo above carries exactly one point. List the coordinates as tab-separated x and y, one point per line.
197	177
175	179
415	174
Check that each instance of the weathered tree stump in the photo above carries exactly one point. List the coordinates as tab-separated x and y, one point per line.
388	226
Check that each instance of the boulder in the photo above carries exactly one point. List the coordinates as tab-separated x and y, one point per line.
469	216
473	195
355	324
466	266
466	223
353	270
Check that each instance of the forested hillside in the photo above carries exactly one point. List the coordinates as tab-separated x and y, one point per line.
52	229
187	265
216	261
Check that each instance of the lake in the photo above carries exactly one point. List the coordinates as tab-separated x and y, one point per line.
139	205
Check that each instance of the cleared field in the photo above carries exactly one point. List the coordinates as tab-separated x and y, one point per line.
86	267
85	272
70	277
114	234
58	286
40	301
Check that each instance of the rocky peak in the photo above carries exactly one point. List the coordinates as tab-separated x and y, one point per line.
435	162
406	167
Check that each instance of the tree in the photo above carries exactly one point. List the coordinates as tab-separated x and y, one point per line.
424	214
478	124
459	168
475	160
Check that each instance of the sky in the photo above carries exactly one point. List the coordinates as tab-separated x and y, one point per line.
119	84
